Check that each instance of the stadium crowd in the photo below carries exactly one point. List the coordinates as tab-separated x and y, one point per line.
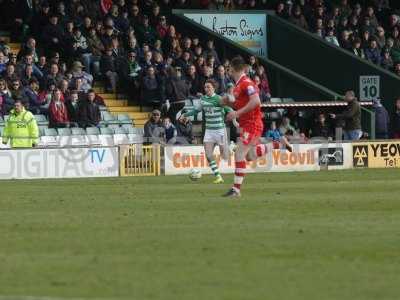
369	29
133	47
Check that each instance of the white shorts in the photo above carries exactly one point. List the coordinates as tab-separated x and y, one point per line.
217	136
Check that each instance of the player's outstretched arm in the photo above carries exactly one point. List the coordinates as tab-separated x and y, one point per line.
227	100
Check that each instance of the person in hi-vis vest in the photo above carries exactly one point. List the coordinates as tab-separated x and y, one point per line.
21	129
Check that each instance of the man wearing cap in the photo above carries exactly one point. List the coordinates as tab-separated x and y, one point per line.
78	73
21	129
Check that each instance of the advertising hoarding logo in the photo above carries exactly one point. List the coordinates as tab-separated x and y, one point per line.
360	156
331	156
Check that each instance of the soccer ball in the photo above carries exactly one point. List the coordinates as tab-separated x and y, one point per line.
194	174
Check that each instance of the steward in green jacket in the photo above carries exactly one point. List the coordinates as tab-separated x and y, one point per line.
21	128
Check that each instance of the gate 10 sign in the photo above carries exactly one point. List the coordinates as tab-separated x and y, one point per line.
369	87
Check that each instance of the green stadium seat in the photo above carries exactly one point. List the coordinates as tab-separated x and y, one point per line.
276	100
124	119
92	131
106	131
119	130
6	118
127	126
50	132
1	131
113	126
42	130
78	131
64	131
41	120
103	108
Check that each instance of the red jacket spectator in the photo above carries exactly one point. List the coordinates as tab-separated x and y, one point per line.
58	114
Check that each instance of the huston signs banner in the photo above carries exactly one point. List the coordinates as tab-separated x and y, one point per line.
59	163
248	30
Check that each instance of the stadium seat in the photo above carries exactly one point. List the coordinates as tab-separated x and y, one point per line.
127	126
41	130
78	131
64	131
102	108
276	100
121	139
196	103
1	130
41	120
1	121
50	132
49	138
6	118
106	131
135	130
124	119
106	136
119	130
113	126
134	138
92	131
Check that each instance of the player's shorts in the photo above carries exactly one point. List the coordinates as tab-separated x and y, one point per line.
217	136
250	135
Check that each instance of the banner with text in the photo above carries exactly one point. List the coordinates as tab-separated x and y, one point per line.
59	163
248	30
377	154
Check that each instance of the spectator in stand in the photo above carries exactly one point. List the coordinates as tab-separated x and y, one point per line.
81	48
321	128
184	128
3	62
177	90
29	48
10	73
194	80
222	80
286	127
380	37
97	47
395	121
162	27
331	38
130	73
73	108
52	35
210	50
298	18
153	128
170	132
357	50
263	96
28	61
54	75
152	88
32	95
397	68
45	97
351	116
387	61
89	111
145	32
345	40
7	103
382	120
273	133
109	68
17	90
373	54
27	75
58	114
78	73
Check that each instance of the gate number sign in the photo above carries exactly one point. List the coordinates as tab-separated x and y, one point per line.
369	87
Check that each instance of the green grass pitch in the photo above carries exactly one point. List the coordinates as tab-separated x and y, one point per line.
317	235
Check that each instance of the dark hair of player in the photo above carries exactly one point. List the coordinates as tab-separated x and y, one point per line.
238	64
